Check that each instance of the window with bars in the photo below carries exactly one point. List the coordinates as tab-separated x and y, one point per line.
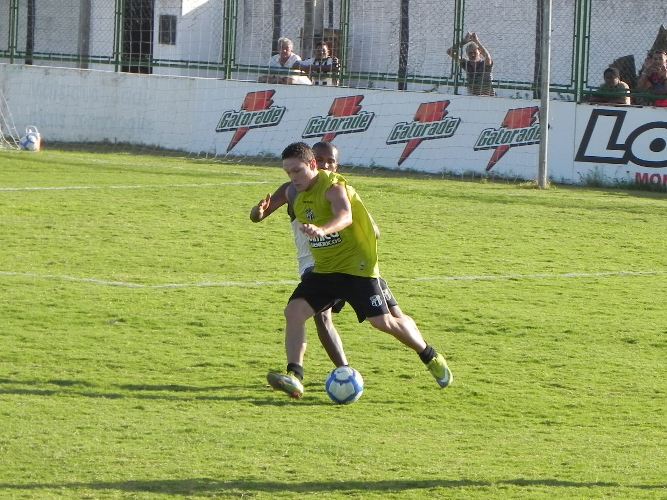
167	33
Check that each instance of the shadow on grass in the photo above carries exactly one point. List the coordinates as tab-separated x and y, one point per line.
153	392
205	485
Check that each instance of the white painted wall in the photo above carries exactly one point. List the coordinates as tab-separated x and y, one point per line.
183	113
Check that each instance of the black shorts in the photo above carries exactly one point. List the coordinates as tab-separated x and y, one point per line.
368	296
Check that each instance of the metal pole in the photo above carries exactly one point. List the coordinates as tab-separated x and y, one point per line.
544	94
13	29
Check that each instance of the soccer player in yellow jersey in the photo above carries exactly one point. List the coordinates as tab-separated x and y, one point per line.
343	241
326	157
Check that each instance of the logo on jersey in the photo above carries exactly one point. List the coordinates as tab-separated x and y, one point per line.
309	214
344	117
257	111
325	241
376	300
519	128
430	122
646	145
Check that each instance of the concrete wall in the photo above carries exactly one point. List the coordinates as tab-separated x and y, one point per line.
409	130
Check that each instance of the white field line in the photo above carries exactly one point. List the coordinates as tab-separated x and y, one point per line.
255	284
131	186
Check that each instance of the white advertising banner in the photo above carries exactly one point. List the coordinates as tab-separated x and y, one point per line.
622	144
428	132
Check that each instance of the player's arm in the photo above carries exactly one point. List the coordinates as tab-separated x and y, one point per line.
269	204
342	213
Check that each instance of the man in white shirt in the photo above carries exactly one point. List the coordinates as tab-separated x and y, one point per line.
288	60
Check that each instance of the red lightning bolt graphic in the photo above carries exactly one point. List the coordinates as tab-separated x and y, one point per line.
254	101
343	106
427	112
515	118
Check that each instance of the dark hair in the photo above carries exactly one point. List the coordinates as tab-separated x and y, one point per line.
328	147
613	71
299	150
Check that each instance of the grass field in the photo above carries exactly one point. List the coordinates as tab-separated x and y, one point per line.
140	311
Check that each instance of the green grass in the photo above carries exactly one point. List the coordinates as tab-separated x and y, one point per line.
140	311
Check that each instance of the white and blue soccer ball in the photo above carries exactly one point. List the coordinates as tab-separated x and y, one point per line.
30	142
344	385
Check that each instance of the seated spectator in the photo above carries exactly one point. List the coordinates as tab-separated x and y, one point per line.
288	60
477	64
613	90
653	79
322	69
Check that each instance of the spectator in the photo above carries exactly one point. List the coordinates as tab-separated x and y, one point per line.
613	90
477	64
653	79
323	68
288	60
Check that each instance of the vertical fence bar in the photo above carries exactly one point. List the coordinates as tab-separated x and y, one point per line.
581	40
117	33
545	80
345	38
229	37
586	49
459	17
13	29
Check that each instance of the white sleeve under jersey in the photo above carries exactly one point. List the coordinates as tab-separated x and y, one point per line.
303	255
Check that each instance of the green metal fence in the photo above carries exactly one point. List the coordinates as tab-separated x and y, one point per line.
395	45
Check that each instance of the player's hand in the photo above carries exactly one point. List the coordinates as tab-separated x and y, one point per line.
257	212
311	230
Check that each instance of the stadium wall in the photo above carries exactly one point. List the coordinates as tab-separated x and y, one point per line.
421	131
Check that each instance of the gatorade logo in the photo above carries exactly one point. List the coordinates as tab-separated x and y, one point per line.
256	111
520	127
430	122
344	117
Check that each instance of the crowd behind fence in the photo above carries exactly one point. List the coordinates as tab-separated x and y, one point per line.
398	45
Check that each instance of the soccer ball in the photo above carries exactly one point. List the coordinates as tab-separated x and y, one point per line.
30	142
344	385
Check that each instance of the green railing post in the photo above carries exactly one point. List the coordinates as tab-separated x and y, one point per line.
229	37
459	18
344	39
582	31
13	29
118	34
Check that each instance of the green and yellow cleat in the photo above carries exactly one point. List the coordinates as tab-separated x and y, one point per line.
286	382
440	371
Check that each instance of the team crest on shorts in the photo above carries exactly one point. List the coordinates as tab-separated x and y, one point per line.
387	294
376	300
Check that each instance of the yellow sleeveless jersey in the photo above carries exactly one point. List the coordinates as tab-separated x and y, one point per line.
352	250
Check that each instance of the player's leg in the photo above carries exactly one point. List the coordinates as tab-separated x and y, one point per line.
330	338
309	296
405	330
372	299
296	314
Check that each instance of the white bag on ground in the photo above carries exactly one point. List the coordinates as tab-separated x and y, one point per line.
32	140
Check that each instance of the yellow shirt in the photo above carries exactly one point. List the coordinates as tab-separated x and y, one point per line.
352	250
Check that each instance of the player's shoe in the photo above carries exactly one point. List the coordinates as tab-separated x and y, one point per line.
286	382
440	371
